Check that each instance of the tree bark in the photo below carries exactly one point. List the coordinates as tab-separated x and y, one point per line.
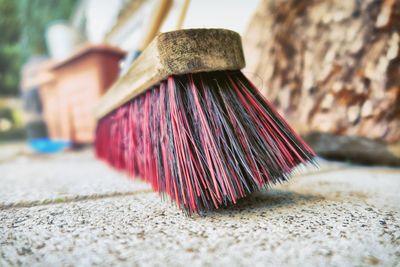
330	66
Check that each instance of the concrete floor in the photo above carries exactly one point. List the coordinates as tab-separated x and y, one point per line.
71	210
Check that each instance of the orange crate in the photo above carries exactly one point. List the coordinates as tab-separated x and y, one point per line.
80	80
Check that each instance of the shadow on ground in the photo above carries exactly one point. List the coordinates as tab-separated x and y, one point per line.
267	199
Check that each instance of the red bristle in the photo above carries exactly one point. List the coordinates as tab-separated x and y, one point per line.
205	139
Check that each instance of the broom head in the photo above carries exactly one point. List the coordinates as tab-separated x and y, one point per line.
185	119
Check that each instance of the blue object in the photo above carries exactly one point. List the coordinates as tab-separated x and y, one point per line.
47	146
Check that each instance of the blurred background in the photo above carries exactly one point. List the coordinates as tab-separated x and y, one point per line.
57	59
330	67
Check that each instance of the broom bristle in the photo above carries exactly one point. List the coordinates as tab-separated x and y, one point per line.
205	139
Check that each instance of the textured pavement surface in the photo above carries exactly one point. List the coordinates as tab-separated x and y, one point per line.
71	210
30	180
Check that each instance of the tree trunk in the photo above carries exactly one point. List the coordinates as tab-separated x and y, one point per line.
330	66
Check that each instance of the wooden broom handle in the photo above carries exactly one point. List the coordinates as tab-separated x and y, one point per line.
159	15
182	15
175	53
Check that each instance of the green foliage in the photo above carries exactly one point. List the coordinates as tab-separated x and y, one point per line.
23	24
35	15
10	60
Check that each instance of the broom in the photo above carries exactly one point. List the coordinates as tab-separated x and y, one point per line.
186	120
